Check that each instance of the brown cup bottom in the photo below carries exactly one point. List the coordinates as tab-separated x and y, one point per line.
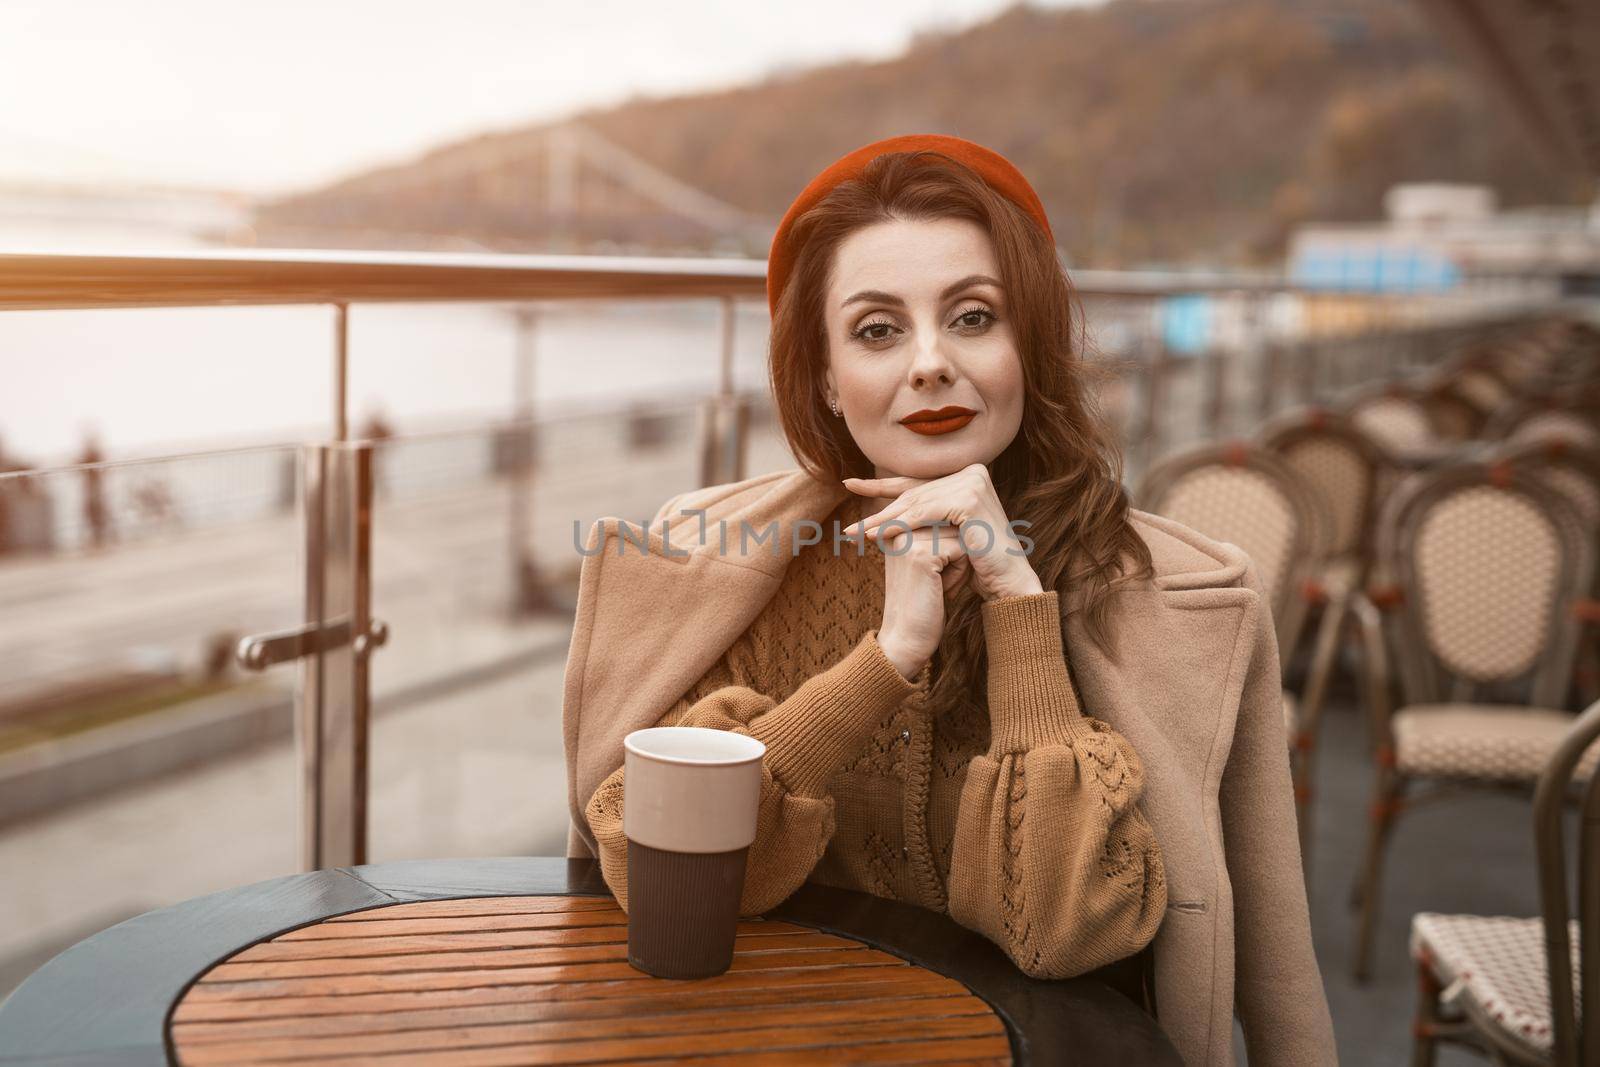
683	910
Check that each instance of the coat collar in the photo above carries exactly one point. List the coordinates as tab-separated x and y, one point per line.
658	605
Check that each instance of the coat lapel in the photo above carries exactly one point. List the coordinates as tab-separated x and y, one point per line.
658	606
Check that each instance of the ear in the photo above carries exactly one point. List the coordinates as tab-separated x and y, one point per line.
832	384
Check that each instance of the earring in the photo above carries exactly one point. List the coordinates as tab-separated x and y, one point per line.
834	404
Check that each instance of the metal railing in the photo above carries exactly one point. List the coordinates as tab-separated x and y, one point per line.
338	636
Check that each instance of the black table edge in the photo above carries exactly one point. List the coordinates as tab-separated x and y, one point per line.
1049	1021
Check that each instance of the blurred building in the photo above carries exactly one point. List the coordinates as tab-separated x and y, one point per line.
1439	237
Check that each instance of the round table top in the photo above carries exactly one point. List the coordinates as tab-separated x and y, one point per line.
545	979
148	990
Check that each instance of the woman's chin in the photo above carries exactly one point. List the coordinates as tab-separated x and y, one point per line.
935	460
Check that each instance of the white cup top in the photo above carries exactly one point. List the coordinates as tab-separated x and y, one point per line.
694	745
691	789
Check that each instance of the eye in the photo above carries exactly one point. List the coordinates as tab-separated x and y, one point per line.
975	318
862	332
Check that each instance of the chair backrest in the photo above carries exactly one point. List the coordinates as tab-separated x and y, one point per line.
1396	419
1489	564
1538	366
1571	470
1547	424
1238	492
1483	388
1526	363
1340	464
1575	1020
1452	413
1574	356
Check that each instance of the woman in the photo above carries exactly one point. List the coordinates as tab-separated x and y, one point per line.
1021	702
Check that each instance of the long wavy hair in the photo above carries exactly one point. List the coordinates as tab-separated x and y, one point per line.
1063	470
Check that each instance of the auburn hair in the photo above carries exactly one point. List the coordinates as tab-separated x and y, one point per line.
1063	470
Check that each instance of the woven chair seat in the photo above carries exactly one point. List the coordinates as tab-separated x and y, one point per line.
1493	971
1493	742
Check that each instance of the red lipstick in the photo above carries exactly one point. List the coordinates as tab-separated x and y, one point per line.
932	421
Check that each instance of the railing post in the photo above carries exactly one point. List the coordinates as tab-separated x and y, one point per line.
366	637
333	709
309	695
1310	357
341	372
725	417
346	704
1271	375
1255	349
529	592
1214	400
1154	399
724	422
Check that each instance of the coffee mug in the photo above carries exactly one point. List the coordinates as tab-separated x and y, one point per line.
689	799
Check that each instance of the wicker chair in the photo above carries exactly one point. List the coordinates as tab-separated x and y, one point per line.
1484	567
1574	472
1333	458
1546	419
1525	364
1485	388
1511	987
1340	464
1560	356
1393	415
1571	354
1402	418
1240	493
1544	355
1454	412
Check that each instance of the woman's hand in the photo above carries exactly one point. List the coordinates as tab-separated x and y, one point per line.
920	566
957	530
967	500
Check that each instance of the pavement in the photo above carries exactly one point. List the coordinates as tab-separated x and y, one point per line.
1472	853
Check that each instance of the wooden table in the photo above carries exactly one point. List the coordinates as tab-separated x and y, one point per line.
514	961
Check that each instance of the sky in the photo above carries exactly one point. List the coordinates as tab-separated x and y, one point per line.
273	97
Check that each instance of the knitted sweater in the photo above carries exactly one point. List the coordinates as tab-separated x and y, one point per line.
1022	825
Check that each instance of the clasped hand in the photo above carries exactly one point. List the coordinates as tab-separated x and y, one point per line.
937	534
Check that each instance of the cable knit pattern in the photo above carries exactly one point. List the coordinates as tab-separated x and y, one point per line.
1020	822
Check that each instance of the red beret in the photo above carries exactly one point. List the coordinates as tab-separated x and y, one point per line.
994	168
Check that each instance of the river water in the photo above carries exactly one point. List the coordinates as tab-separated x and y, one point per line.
163	380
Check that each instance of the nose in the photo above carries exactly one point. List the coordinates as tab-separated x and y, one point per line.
930	366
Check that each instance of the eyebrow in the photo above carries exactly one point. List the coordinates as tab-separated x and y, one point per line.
889	298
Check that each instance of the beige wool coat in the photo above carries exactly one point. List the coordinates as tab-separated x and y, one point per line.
1194	686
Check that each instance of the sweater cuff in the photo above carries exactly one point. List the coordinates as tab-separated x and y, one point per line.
830	717
1031	699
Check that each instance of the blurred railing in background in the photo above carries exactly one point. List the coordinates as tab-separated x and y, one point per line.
150	606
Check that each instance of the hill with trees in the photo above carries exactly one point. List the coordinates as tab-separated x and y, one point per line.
1156	132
